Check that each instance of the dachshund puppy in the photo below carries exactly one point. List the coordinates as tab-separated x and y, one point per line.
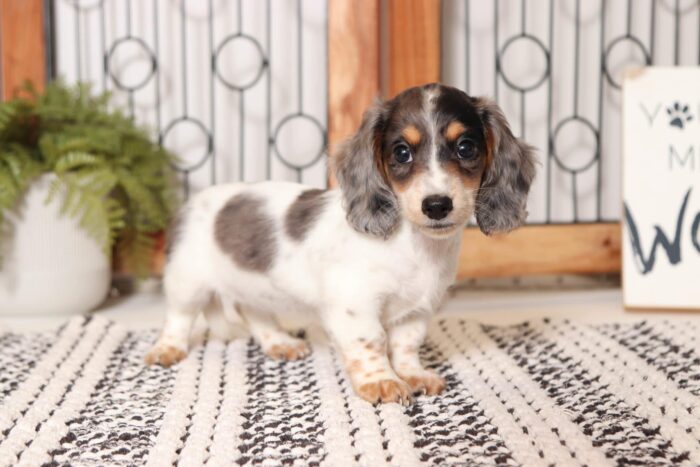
372	259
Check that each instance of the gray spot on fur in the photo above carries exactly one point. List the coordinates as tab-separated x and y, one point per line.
246	233
303	213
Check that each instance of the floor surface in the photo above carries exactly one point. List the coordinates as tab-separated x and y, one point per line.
146	310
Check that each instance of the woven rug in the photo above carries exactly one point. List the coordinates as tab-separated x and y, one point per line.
538	393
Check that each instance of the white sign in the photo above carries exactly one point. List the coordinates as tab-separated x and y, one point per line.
661	188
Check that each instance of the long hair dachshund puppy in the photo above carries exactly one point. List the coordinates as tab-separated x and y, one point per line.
372	259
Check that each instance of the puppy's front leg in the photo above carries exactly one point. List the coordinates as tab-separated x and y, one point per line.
405	339
360	338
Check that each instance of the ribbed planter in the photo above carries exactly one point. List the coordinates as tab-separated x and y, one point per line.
49	263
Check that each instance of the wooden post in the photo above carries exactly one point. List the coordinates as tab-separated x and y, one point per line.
353	65
22	44
414	43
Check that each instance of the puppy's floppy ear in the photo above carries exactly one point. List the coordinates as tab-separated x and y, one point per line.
371	205
501	203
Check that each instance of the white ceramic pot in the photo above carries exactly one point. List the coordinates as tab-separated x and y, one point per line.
49	263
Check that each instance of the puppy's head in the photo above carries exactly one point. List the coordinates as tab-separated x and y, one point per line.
434	156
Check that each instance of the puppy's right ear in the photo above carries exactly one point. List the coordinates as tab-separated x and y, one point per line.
371	205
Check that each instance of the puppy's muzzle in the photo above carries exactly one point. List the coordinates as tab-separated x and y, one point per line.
437	207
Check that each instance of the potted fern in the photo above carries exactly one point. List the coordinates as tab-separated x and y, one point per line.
76	179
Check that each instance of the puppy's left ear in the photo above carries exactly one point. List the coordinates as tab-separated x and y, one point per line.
501	203
370	203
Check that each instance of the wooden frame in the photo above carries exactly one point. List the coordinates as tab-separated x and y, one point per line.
353	65
542	249
22	44
413	43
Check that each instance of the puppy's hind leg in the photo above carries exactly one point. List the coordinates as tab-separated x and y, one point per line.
275	342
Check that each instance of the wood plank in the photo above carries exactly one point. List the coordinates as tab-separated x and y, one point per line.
353	65
541	250
22	44
413	43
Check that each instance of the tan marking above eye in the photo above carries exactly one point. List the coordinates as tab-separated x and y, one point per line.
454	130
411	134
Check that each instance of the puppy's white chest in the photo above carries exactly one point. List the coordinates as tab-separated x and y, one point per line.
419	291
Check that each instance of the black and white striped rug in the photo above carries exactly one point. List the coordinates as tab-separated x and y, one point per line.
539	393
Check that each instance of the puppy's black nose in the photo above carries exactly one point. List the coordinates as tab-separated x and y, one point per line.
437	207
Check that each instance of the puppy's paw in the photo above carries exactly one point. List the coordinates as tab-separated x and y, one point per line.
165	355
288	351
424	382
385	390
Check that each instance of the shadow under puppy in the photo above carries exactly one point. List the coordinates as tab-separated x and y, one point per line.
373	259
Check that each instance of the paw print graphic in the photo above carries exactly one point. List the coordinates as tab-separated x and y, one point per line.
679	115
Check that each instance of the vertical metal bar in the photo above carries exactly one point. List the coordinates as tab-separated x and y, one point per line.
677	38
130	92
548	217
495	50
128	18
212	93
522	114
78	50
268	116
241	110
241	136
50	38
467	41
156	43
601	102
523	13
652	31
103	44
183	43
577	55
326	67
239	16
574	189
300	82
629	18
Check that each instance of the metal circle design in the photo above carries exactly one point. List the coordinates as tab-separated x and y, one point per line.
288	119
261	68
557	157
142	82
540	46
207	153
620	40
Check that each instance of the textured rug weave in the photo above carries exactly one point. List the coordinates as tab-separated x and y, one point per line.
539	393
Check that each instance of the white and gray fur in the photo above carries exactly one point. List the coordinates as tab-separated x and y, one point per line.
371	273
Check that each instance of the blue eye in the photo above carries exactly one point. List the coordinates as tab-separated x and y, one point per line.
466	149
402	154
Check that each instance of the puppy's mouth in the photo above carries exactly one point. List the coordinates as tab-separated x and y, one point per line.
440	228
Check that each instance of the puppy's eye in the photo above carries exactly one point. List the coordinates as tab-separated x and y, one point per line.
402	154
466	149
